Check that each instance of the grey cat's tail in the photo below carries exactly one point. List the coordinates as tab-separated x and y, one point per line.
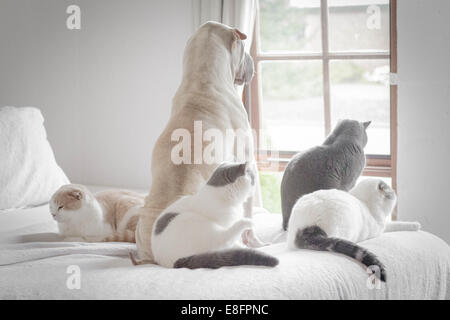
226	258
315	238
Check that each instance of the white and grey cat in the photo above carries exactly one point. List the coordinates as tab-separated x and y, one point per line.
333	220
204	230
109	215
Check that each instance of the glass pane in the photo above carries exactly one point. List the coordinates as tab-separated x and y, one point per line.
358	25
290	25
292	106
360	91
270	190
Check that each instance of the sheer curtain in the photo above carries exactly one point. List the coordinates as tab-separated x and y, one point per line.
237	14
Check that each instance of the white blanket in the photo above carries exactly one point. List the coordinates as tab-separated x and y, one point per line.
34	265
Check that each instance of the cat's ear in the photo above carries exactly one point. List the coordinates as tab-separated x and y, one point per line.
366	124
382	186
243	167
386	190
76	194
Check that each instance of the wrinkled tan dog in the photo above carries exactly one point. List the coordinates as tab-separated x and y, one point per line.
214	62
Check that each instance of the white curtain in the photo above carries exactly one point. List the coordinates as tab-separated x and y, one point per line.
235	13
238	14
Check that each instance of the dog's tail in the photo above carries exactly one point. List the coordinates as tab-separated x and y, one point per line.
315	238
226	258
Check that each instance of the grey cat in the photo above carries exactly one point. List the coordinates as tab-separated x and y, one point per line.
336	164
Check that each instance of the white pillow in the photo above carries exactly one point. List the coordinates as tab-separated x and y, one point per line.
29	174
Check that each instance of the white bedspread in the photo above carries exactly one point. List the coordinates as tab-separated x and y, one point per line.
34	264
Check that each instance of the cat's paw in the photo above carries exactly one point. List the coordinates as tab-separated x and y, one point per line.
251	240
245	224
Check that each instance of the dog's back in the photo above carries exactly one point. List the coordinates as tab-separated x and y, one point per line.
206	99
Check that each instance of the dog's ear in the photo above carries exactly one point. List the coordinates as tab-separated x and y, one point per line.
239	35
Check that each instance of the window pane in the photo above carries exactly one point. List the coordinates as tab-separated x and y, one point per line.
290	25
292	106
358	25
270	190
360	91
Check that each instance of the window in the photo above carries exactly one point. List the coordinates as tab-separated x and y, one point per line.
318	61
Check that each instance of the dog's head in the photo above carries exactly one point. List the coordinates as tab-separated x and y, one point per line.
220	43
242	62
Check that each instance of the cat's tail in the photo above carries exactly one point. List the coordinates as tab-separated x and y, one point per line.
315	238
226	258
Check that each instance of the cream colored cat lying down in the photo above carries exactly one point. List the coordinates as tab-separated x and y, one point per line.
110	215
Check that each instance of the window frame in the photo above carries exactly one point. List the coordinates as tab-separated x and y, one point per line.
376	165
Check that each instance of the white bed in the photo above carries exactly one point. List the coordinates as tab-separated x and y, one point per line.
34	264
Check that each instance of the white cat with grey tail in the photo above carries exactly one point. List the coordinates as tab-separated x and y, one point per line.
334	220
204	230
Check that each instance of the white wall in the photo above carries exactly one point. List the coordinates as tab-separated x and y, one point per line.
424	113
105	90
39	67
